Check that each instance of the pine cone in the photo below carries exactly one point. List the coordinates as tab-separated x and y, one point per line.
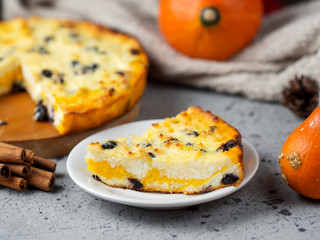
302	96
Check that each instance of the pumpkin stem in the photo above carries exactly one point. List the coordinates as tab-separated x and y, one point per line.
209	16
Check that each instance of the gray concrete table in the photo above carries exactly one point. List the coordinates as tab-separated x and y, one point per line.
264	209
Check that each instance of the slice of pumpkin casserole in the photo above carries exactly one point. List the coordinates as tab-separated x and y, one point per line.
194	152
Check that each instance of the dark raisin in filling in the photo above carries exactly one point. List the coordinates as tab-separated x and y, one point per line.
189	144
120	73
171	140
42	50
202	150
91	68
48	39
151	155
111	92
96	177
17	87
109	145
145	145
94	66
47	73
135	183
212	128
60	78
134	51
74	63
40	113
229	179
194	133
227	146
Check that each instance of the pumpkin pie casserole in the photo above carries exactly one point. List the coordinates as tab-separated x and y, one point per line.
193	152
79	74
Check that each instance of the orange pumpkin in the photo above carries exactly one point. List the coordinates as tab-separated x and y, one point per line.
300	157
209	29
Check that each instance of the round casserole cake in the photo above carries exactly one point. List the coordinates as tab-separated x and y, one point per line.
79	74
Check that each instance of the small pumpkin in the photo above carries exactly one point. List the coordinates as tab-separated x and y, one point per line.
209	29
300	157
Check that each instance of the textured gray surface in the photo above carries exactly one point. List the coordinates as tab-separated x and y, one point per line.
264	209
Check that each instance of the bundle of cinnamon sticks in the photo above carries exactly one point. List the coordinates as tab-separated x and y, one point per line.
20	167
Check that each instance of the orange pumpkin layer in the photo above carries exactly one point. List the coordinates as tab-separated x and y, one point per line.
153	176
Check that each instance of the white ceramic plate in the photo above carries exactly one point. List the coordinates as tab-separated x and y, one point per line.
77	169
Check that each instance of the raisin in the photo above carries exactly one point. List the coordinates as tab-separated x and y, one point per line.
202	150
74	63
60	77
2	123
212	128
42	50
227	146
17	87
92	68
171	140
136	184
40	113
134	51
194	133
47	73
151	155
111	92
96	177
109	145
48	39
120	73
145	145
229	179
189	144
85	70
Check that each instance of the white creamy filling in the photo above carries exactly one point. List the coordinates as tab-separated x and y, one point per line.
189	169
34	89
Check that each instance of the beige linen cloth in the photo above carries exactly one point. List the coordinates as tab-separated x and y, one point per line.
286	45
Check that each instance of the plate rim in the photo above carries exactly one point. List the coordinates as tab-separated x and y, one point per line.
161	203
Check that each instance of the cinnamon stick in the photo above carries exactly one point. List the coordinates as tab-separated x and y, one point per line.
39	181
12	155
5	172
2	144
14	182
44	163
29	156
41	172
19	169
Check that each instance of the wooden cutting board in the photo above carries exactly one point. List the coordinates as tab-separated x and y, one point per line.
41	137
